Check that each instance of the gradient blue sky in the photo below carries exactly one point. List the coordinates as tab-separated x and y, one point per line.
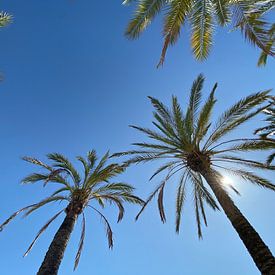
73	82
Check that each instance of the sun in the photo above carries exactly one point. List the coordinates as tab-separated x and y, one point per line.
226	180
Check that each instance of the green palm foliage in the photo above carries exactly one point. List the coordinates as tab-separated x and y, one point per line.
192	147
5	19
203	16
94	187
267	132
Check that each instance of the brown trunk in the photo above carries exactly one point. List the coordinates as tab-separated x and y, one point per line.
258	250
57	248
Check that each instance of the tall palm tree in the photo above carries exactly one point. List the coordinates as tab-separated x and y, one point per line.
5	19
192	147
79	193
203	16
268	132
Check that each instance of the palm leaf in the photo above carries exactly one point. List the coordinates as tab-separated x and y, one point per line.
7	221
202	28
180	200
222	11
146	11
63	162
203	123
173	21
109	231
42	230
235	115
81	242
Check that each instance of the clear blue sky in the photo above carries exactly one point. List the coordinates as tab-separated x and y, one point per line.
73	83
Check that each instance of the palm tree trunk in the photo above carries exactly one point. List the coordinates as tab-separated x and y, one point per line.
57	248
258	250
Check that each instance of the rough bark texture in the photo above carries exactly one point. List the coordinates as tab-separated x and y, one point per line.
57	248
258	250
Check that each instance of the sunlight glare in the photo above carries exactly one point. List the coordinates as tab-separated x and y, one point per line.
226	180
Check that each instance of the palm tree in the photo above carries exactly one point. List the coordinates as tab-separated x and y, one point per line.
203	16
194	152
5	19
80	193
267	132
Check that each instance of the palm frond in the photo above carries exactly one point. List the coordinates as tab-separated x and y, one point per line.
197	213
35	177
236	115
202	190
109	231
254	145
203	123
162	168
202	28
270	158
104	175
115	199
173	21
146	11
270	45
245	162
37	162
156	136
194	100
149	199
63	162
86	167
180	200
15	214
252	25
44	202
119	186
222	11
91	156
41	231
179	121
81	242
160	204
251	177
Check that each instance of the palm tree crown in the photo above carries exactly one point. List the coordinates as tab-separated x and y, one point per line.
5	19
193	148
203	16
192	144
79	192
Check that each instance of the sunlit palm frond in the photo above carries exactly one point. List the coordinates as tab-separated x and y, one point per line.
146	11
202	28
175	17
37	162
